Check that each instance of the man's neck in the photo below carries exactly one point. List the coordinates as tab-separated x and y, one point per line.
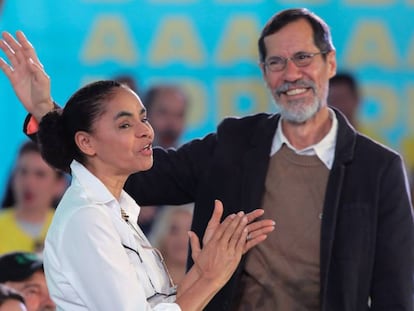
310	132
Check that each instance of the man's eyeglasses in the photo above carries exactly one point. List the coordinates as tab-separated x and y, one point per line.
300	59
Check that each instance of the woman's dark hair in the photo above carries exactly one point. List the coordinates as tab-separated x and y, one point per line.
321	33
7	293
57	129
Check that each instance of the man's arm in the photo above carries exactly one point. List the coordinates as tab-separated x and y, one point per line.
393	277
175	175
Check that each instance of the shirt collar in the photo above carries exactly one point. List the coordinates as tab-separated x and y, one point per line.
98	192
324	149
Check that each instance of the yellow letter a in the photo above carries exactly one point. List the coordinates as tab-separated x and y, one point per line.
109	40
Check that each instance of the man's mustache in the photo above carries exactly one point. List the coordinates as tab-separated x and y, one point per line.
297	84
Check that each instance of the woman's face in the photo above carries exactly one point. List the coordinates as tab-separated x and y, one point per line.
35	183
121	138
176	240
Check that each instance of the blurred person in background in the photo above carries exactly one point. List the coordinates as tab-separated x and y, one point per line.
170	235
23	272
128	80
344	94
167	107
35	186
11	300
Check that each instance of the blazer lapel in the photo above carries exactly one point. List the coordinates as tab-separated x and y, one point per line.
255	163
344	153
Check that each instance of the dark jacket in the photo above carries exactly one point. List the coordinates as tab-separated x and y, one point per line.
367	237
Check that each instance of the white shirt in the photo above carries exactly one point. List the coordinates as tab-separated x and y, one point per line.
324	149
86	264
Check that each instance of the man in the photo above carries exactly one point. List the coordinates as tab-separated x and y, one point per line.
35	186
23	272
345	233
344	95
166	110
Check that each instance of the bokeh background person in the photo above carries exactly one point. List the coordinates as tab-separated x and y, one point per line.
167	108
170	235
23	272
128	80
11	300
35	186
345	95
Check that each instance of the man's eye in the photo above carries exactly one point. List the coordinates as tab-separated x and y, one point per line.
303	56
125	125
144	120
275	61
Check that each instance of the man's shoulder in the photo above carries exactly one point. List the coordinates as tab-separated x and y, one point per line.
250	123
250	119
374	147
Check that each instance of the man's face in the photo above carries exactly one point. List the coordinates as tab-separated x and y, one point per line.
167	117
35	183
35	292
299	92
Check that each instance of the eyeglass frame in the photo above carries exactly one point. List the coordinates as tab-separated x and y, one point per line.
294	59
157	296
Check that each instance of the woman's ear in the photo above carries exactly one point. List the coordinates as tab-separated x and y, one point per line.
84	143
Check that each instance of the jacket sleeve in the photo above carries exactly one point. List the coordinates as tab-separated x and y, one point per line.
393	277
175	175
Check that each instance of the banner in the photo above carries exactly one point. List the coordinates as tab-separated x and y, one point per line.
209	47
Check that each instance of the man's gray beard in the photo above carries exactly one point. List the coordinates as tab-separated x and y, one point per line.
300	115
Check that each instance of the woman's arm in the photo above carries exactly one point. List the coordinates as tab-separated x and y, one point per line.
224	244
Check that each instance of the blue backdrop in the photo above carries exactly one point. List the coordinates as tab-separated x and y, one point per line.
209	47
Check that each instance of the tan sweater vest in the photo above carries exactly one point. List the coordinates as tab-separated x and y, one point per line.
283	272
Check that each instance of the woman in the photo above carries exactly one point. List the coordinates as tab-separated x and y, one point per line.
35	186
169	235
95	257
